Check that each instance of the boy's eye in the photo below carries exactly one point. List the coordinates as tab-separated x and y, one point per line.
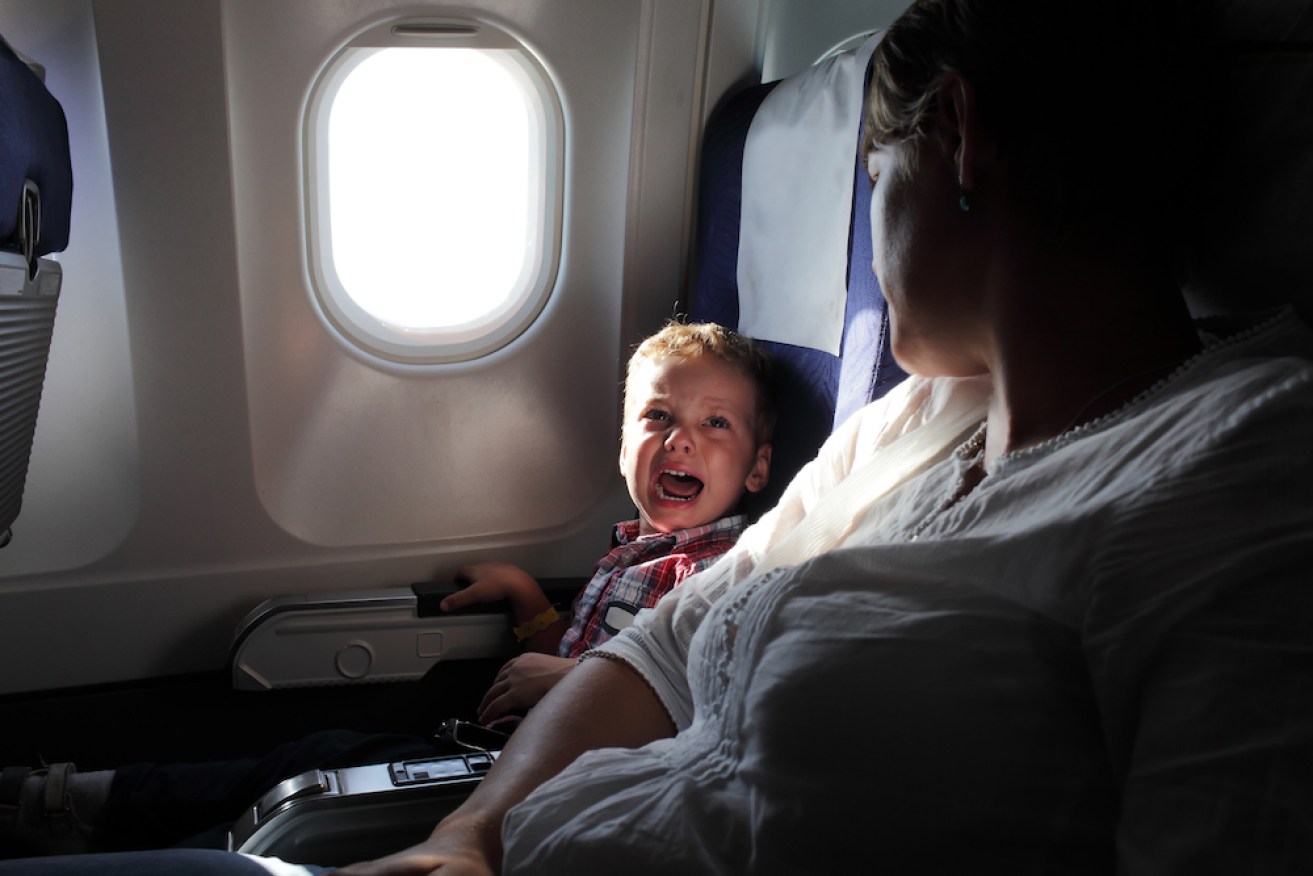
656	414
718	423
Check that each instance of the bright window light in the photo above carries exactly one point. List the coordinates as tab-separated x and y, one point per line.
433	217
428	166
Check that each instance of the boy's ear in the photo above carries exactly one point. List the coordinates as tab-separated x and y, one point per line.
759	474
623	451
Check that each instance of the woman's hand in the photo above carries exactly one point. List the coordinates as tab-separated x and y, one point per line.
521	683
458	849
419	861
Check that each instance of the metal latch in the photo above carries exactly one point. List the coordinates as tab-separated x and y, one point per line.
29	225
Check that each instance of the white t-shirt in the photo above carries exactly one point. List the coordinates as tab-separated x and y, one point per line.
1100	660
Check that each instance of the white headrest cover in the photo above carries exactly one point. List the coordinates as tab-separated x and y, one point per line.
798	165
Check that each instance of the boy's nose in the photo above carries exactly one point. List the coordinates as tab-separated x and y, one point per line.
679	440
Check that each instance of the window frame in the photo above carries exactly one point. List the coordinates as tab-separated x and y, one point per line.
361	331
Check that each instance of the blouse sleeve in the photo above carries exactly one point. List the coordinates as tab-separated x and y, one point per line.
1200	646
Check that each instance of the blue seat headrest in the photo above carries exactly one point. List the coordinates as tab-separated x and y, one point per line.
33	148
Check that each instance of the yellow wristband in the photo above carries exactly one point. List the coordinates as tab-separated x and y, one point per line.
537	625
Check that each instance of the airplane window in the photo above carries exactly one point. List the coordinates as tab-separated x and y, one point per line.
434	174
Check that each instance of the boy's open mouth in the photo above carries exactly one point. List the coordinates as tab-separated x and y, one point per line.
678	486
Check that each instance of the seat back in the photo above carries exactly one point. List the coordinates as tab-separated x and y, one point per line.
36	190
773	159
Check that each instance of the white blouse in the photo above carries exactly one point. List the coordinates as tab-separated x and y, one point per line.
1099	660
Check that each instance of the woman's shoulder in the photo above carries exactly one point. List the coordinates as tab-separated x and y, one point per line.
1236	415
1229	431
912	405
1252	368
1273	338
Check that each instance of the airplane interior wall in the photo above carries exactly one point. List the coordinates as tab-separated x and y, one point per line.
208	440
205	441
796	32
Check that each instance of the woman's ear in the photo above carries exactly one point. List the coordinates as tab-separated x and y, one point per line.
759	474
958	129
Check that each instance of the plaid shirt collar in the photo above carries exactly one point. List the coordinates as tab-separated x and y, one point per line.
626	533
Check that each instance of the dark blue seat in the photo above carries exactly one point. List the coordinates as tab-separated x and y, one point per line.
33	150
36	191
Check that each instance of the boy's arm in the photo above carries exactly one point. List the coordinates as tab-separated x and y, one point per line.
601	703
530	608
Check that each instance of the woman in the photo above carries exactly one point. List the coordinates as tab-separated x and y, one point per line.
1042	608
1076	641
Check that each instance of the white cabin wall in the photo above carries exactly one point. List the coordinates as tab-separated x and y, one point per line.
205	486
508	446
205	442
799	32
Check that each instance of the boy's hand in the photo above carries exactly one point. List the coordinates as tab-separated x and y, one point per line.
491	582
497	581
521	683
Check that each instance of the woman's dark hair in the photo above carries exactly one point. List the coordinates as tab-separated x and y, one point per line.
1087	100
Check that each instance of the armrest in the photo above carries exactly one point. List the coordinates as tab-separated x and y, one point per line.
334	817
365	636
358	637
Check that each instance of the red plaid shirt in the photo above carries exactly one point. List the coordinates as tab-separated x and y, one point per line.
637	572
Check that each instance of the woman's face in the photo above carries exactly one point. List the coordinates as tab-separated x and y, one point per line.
916	236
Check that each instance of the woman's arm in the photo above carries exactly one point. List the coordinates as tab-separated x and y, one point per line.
601	703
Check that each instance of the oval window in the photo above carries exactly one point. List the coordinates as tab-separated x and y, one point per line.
434	202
